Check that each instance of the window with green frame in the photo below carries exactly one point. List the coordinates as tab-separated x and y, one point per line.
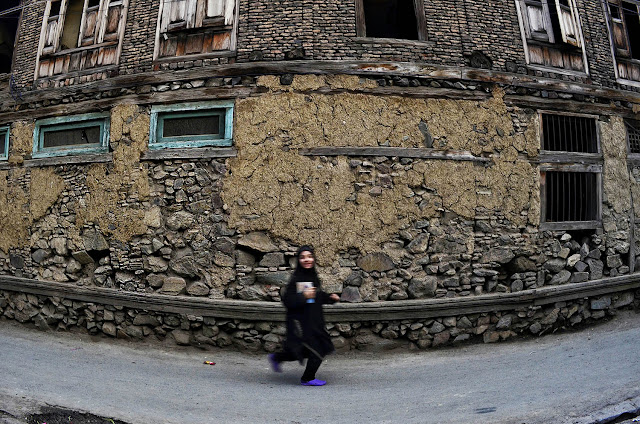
192	125
4	142
80	134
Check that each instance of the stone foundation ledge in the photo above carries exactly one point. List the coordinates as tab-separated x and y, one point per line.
259	326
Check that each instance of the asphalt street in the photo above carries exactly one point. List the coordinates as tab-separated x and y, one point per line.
573	377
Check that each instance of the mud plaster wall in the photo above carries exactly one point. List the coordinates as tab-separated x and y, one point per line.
273	188
115	191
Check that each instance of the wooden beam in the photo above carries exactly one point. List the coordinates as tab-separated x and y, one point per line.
194	153
403	152
362	68
343	312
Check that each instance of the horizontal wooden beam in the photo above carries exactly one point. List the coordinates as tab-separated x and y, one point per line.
195	153
342	312
402	152
363	68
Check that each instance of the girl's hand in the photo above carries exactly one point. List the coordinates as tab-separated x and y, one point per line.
335	297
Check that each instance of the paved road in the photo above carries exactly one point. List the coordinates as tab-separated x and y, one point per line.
566	378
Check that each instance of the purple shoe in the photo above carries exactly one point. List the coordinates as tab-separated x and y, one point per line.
275	365
314	382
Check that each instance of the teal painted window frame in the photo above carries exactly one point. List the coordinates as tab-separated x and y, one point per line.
4	139
189	110
71	122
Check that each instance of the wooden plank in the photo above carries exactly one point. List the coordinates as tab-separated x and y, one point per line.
221	41
180	44
110	56
207	43
370	311
570	226
563	167
68	160
569	157
419	153
193	43
362	68
169	46
536	55
557	59
193	153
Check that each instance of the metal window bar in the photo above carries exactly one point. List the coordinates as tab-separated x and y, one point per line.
567	133
633	135
571	196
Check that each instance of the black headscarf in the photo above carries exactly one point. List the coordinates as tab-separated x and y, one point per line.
304	274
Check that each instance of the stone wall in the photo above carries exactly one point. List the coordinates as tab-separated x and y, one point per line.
385	227
54	313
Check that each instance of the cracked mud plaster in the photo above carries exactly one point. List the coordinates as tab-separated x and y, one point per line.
22	207
109	186
273	188
616	179
21	141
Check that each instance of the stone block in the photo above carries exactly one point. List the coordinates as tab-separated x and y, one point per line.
601	303
272	259
173	285
579	277
257	241
376	262
422	287
351	294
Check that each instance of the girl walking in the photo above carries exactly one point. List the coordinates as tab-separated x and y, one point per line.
306	333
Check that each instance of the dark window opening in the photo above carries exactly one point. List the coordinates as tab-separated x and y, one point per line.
9	18
633	135
55	8
3	142
93	3
391	19
555	21
571	196
569	134
71	137
190	126
72	19
614	10
632	20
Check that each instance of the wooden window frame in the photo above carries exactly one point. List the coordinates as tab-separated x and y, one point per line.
631	156
228	21
63	123
184	110
527	37
564	161
4	140
421	21
99	32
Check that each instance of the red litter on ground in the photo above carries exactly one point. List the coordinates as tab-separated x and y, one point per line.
209	363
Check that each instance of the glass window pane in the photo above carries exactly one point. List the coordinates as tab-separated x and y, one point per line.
3	141
197	125
72	137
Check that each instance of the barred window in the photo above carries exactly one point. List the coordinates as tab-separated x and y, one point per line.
633	135
570	172
571	196
568	133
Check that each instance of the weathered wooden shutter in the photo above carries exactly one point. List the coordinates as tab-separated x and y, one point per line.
619	35
89	25
110	29
174	14
537	20
229	11
568	17
53	26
